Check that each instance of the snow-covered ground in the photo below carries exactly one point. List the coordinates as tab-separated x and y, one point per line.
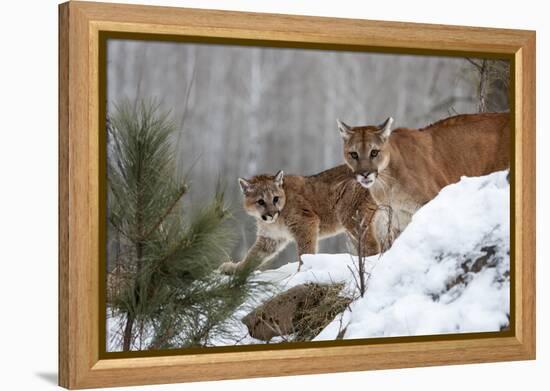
448	272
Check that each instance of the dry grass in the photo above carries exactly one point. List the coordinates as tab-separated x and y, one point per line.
298	314
320	307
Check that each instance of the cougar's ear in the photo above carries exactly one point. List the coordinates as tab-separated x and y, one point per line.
279	178
385	128
246	187
345	130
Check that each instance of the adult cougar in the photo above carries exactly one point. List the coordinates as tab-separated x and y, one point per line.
405	168
304	209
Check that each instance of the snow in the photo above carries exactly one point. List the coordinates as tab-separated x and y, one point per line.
448	272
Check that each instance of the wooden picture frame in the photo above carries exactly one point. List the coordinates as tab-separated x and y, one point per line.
80	144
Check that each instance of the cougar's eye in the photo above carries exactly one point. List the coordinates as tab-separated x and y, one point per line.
275	200
354	155
261	202
374	152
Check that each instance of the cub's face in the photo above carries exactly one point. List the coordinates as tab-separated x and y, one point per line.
264	196
366	150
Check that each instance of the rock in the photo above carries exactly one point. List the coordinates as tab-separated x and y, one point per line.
302	311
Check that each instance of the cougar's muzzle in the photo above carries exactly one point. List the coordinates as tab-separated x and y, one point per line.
270	217
366	179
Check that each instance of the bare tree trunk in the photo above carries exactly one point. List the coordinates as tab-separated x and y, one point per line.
361	257
255	96
483	70
128	332
483	76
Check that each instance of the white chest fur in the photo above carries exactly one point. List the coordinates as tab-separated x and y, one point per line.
276	230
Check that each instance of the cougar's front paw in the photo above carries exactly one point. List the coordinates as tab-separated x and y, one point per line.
228	268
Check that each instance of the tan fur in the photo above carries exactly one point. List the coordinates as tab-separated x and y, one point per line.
309	208
413	165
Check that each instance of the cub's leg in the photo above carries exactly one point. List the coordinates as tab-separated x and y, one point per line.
261	251
373	244
385	228
306	235
370	245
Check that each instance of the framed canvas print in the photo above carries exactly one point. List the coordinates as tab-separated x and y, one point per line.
247	195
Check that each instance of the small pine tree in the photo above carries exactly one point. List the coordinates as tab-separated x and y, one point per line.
166	293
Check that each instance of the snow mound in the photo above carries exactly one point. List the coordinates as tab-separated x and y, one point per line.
448	272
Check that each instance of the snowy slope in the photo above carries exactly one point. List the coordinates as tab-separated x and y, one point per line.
448	272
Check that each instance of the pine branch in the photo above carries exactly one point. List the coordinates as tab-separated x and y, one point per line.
169	210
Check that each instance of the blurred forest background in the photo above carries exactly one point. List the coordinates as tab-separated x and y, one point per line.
242	111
